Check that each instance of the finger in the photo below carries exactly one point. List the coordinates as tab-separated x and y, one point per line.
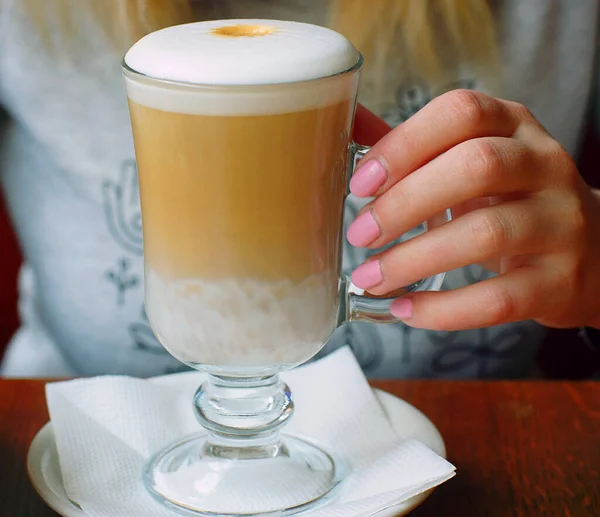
559	168
368	127
515	228
519	295
443	123
529	128
472	169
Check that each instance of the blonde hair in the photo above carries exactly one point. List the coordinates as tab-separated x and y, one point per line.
430	40
427	39
123	21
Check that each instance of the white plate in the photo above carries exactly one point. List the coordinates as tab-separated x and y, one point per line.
407	421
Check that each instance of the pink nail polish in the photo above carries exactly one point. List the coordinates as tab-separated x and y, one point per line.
368	275
368	179
363	231
402	308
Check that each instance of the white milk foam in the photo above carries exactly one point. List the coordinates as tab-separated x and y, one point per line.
241	322
220	72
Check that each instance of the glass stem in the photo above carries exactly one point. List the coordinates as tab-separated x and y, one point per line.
243	415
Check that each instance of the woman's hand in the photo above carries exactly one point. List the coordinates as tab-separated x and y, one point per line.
519	204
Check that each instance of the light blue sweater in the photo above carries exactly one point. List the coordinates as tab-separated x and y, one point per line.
68	170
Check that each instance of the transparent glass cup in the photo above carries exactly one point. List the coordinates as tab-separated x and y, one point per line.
242	191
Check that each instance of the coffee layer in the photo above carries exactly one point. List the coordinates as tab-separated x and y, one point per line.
256	197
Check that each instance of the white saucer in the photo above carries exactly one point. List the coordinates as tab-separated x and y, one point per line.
407	421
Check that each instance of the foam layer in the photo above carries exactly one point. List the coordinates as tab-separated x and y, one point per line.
241	67
241	322
242	52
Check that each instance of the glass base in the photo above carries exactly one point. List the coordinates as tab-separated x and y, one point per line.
231	479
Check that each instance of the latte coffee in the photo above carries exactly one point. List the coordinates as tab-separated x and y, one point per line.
241	132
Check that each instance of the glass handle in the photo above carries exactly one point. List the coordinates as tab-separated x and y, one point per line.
359	305
357	152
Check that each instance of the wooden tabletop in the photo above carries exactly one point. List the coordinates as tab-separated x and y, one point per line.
521	448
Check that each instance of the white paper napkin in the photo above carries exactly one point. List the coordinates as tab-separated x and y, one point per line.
106	428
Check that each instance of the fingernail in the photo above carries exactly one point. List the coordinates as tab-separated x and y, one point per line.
367	275
402	308
363	231
368	179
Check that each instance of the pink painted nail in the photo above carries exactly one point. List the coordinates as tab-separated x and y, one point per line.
368	179
363	231
367	275
402	308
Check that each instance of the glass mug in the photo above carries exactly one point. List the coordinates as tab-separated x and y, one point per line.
242	220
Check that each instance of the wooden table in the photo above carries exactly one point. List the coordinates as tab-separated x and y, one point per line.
521	448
